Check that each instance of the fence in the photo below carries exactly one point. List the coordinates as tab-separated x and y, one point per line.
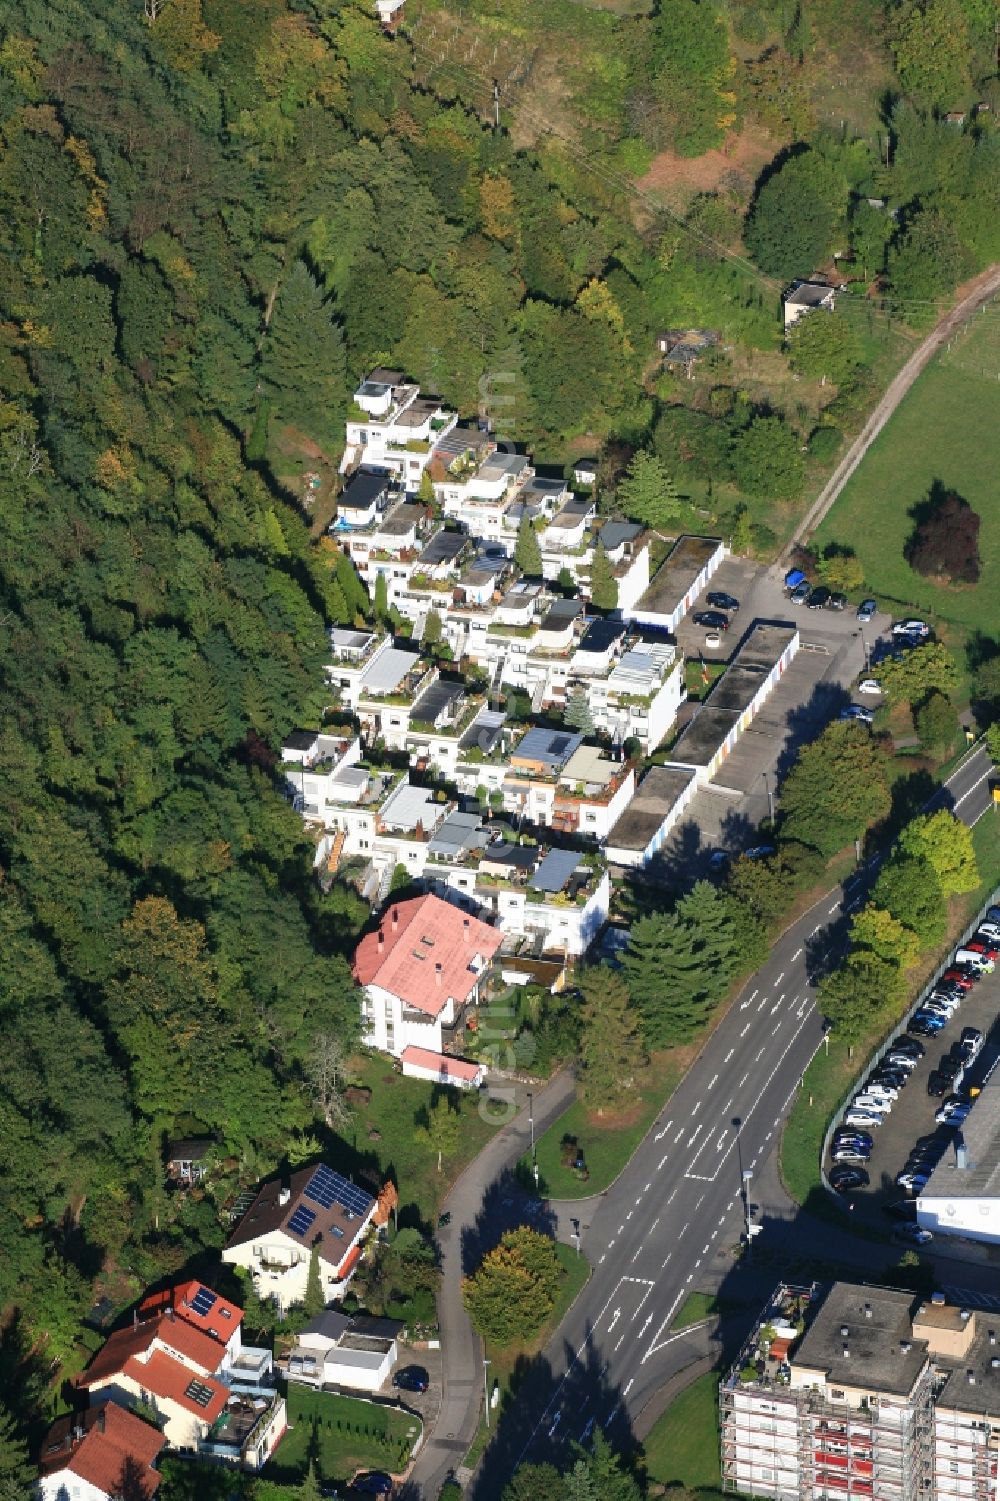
897	1032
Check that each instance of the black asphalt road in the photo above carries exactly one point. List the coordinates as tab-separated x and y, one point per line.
686	1191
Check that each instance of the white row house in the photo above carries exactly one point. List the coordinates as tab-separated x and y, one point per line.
393	428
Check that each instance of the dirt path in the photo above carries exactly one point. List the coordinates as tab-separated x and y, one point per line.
974	295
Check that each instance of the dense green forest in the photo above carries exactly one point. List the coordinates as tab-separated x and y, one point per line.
214	215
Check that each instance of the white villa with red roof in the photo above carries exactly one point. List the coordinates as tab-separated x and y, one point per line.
426	962
99	1455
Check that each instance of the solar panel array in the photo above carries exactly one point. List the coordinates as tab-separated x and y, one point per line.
204	1301
327	1188
199	1393
302	1220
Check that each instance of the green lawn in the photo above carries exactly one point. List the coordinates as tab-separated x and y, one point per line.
606	1146
393	1110
342	1435
698	1306
506	1365
682	1448
829	1075
943	431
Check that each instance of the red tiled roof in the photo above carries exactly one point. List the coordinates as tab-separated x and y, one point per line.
418	936
115	1443
165	1377
220	1320
127	1344
456	1068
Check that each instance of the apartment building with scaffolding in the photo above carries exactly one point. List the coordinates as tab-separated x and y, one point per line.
863	1392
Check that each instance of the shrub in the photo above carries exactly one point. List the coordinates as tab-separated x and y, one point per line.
945	543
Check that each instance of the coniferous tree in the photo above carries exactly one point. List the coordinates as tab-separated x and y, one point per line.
577	712
17	1474
314	1302
611	1049
303	361
603	584
527	549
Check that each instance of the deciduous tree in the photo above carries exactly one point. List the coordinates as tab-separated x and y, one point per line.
876	929
837	789
909	889
935	720
945	842
925	669
603	584
442	1125
791	227
824	346
515	1288
945	544
767	459
865	987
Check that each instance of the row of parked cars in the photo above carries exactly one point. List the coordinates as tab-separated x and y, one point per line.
853	1140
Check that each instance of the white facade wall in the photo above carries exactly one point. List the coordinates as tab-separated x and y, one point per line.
389	1026
973	1218
670	620
279	1266
435	1076
67	1485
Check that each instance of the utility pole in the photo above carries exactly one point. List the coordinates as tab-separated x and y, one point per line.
496	105
486	1388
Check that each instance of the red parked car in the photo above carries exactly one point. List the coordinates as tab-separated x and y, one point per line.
958	977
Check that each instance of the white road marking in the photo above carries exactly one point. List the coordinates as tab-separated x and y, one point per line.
833	908
695	1110
743	1081
614	1319
713	1081
763	1003
645	1326
780	978
796	954
691	1138
663	1131
621	1341
679	1135
815	930
729	1055
759	1056
662	1161
647	1188
627	1389
680	1233
746	1029
746	1003
656	1222
960	800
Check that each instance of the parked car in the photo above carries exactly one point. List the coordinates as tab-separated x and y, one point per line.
984	946
760	852
952	1069
963	977
909	1045
913	1182
837	601
971	1042
989	930
855	711
844	1178
412	1378
944	1005
818	598
372	1483
902	1209
867	610
912	1235
860	1138
993	914
721	601
863	1118
712	620
794	577
976	960
927	1026
880	1091
871	687
900	1059
800	593
937	1084
911	628
712	640
872	1104
854	1155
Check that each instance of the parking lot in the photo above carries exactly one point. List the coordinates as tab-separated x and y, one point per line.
912	1116
816	685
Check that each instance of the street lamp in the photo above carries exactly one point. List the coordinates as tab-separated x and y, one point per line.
747	1178
486	1388
770	796
531	1125
576	1234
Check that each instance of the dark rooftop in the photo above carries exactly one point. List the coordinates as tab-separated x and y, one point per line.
602	634
515	856
703	736
484	731
300	740
551	747
362	490
556	871
655	795
444	548
614	533
435	701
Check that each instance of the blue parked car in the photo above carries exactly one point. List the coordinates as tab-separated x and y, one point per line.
794	578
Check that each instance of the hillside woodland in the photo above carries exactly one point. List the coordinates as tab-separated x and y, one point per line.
214	215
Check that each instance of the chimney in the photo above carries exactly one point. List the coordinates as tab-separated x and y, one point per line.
847	1353
844	1331
77	1430
992	1336
961	1157
466	928
284	1195
395	918
868	1310
381	941
971	1377
438	971
101	1419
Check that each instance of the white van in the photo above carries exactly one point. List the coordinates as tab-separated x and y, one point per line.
977	961
876	1104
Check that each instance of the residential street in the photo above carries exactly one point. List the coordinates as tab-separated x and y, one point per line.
672	1219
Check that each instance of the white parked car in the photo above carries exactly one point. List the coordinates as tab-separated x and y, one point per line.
911	628
713	641
870	686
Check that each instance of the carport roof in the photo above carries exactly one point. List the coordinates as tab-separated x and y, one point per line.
657	793
703	736
687	558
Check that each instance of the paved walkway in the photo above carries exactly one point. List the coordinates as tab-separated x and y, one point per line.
448	1441
980	290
